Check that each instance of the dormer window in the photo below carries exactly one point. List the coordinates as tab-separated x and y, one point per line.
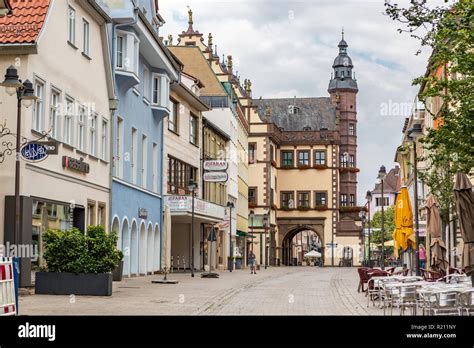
292	109
307	129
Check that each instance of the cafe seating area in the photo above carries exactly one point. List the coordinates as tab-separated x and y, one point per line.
396	292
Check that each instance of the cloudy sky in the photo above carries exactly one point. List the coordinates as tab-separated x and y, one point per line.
287	48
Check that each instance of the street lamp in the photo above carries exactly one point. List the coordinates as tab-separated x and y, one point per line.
265	226
25	95
192	186
368	197
382	174
363	218
414	133
251	215
230	205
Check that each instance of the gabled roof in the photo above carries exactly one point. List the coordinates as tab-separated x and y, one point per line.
24	24
391	183
312	113
195	64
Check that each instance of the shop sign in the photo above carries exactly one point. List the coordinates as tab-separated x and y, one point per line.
183	204
215	177
76	164
34	152
142	213
215	165
331	245
51	146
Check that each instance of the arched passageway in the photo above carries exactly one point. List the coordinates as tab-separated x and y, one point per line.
298	242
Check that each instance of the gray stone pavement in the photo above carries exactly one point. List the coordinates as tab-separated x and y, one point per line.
275	291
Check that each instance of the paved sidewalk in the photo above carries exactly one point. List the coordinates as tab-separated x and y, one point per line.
275	291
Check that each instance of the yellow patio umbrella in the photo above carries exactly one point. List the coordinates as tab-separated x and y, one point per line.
403	234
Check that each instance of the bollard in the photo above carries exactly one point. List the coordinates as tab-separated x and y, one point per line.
178	263
16	272
184	265
172	264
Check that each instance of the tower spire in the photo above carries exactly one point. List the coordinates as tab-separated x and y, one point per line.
342	33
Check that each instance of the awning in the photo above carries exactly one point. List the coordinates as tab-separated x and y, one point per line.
244	234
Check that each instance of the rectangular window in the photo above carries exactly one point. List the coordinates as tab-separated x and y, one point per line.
146	83
287	200
86	35
320	198
351	129
193	129
272	156
343	160
71	27
352	200
104	139
133	166
101	214
38	107
303	158
173	117
319	158
118	157
287	158
54	113
179	174
303	199
91	213
81	131
253	195
93	134
156	90
351	161
120	51
343	200
378	201
154	171
252	152
68	122
144	160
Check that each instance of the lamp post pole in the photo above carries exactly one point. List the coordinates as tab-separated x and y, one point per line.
382	174
266	242
231	254
417	227
369	200
192	188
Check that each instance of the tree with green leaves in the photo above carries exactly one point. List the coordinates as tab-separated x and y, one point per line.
389	225
448	30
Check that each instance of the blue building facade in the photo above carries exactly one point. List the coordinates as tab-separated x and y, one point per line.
143	70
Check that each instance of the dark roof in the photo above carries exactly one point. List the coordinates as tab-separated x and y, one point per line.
391	183
315	113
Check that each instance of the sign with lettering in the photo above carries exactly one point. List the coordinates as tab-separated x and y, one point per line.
76	164
215	177
142	213
215	165
51	146
33	152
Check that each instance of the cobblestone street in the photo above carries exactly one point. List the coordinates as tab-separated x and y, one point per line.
275	291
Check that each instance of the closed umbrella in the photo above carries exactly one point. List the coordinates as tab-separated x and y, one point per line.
465	209
403	221
433	228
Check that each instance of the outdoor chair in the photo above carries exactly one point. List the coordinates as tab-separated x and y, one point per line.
391	295
363	278
374	290
391	270
466	302
408	299
431	276
446	303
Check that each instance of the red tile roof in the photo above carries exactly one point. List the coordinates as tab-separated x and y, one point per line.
24	24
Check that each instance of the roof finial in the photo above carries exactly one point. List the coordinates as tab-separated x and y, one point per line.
343	33
190	16
209	41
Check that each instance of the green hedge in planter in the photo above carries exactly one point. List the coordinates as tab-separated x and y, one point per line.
73	252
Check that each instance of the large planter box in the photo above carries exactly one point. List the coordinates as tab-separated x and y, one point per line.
91	284
118	272
238	263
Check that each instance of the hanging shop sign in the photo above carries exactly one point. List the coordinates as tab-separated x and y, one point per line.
34	152
76	164
215	177
51	146
215	165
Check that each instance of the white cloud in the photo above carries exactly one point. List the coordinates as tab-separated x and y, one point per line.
287	48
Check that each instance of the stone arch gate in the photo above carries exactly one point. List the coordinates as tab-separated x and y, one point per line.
290	227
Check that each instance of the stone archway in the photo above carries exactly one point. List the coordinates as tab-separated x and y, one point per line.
289	228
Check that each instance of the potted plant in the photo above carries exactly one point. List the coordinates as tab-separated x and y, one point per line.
274	207
320	166
304	207
78	264
321	207
117	273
